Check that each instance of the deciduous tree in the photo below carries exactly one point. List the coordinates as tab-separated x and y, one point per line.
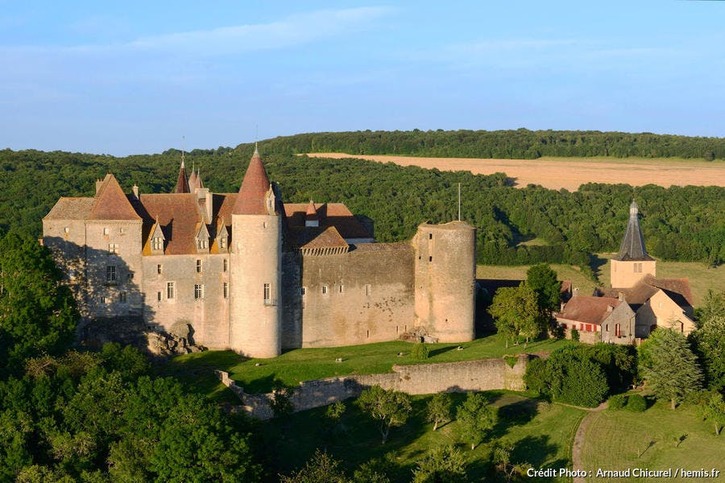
389	408
476	417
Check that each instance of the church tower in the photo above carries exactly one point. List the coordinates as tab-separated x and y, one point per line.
632	263
255	278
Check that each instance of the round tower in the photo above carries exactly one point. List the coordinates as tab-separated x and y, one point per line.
445	277
255	268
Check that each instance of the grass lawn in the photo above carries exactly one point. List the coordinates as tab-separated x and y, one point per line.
197	370
565	272
617	440
541	434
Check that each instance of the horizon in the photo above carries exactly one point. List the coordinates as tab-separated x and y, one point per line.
134	78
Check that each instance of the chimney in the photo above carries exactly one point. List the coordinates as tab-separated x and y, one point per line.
99	182
609	308
575	292
620	296
135	190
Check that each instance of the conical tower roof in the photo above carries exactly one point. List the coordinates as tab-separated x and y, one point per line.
182	182
251	197
111	203
632	247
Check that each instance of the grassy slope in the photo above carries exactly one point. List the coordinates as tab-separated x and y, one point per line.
294	366
541	433
616	438
701	278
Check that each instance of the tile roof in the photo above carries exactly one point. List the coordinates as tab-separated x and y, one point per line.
322	238
182	182
111	203
632	247
70	209
178	215
329	214
678	289
252	192
590	310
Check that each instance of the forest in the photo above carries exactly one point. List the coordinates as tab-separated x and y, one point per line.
511	144
515	225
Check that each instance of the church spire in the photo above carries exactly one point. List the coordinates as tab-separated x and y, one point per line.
632	247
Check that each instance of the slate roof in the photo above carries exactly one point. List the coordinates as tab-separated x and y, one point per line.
590	310
111	203
632	247
250	200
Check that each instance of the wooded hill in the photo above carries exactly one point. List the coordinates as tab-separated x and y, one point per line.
515	226
518	144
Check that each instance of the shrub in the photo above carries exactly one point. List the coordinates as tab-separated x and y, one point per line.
420	351
537	376
636	403
575	335
618	401
511	360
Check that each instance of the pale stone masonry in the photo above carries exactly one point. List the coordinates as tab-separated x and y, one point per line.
250	273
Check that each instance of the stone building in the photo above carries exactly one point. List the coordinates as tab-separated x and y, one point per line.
247	272
598	319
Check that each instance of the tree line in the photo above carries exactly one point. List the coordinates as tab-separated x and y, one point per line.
506	144
679	223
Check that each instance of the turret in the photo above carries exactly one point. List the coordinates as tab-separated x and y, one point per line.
182	182
445	277
632	263
255	281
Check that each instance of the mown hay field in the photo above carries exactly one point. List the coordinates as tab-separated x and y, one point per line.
570	173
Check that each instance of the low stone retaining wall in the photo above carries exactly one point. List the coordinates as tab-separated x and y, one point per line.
480	375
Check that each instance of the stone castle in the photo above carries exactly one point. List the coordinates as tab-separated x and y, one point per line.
246	271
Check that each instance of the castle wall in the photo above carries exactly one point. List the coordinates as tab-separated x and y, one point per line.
479	375
626	274
359	297
445	277
291	300
206	310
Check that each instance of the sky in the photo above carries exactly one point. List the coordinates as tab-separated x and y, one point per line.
136	77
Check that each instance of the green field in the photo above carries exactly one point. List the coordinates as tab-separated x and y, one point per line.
701	278
617	440
541	434
258	375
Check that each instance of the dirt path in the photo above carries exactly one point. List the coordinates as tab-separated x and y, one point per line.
570	173
576	450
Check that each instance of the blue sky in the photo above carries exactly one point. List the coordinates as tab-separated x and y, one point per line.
138	76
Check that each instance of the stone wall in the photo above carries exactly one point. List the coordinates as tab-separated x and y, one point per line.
480	375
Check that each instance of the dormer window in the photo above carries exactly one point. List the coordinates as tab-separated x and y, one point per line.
157	244
157	239
202	243
202	239
223	243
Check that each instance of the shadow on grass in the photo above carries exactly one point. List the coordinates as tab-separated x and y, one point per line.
442	350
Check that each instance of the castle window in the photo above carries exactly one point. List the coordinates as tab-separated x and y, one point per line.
303	290
66	230
198	266
324	290
226	265
122	297
106	231
157	243
341	289
267	292
170	290
159	269
223	242
111	274
430	258
430	236
158	296
122	230
368	289
367	334
617	330
226	290
113	248
198	291
637	268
